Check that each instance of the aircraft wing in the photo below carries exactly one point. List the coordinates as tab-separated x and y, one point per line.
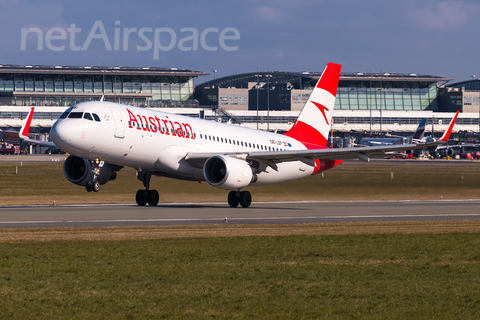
270	158
23	134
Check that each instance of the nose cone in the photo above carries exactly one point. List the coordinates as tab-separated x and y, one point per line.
61	134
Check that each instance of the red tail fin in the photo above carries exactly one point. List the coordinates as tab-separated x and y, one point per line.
313	123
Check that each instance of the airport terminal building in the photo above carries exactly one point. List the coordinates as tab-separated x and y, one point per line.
288	91
63	86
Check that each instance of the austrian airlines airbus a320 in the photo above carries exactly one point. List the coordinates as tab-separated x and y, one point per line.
104	137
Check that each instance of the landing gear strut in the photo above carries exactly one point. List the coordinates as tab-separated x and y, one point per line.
146	196
94	185
244	198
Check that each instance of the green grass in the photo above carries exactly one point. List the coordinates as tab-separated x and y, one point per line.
380	276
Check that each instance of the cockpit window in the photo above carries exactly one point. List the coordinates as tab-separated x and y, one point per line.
65	114
87	116
75	115
96	117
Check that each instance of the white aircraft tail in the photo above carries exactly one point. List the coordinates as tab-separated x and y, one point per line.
419	134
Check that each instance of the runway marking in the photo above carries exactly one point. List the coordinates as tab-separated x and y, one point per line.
232	219
86	205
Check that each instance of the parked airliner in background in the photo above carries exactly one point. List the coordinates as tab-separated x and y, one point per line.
416	138
103	137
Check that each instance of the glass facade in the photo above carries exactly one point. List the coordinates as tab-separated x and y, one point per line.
24	89
472	85
356	91
397	96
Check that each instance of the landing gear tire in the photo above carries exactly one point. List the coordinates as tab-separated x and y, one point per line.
153	198
233	200
96	186
245	199
89	186
141	197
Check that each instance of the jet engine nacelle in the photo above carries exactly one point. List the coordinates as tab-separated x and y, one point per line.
430	139
228	173
80	171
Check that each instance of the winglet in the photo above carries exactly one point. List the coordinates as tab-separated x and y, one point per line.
447	133
23	134
25	129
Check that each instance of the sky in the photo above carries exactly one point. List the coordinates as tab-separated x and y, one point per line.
409	36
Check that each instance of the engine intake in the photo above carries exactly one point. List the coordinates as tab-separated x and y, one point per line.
228	173
80	171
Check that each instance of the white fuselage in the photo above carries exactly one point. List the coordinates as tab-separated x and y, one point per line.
157	142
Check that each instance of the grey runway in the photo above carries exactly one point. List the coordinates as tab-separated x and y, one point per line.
215	213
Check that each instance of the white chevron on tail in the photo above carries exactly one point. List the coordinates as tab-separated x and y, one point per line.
313	123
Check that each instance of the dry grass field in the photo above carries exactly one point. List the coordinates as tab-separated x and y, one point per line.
43	183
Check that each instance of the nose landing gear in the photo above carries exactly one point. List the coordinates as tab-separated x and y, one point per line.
94	185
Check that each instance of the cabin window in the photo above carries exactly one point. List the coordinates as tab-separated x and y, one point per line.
65	114
75	115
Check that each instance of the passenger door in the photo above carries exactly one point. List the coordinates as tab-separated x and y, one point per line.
119	124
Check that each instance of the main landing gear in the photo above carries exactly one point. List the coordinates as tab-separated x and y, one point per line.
146	196
244	198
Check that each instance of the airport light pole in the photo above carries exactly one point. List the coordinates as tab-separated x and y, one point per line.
370	104
477	103
256	75
268	101
214	73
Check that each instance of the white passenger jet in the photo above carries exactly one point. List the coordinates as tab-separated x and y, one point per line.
103	137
